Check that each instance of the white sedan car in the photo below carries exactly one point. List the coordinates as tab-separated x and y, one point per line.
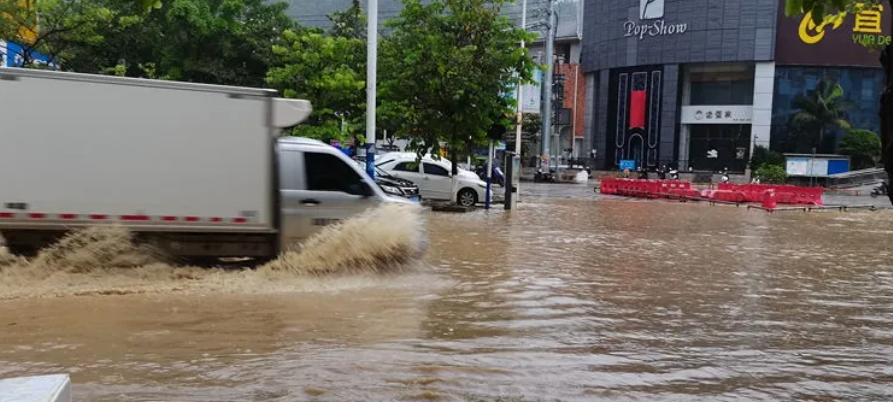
434	179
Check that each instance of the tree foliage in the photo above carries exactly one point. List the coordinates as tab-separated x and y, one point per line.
772	174
330	72
863	147
64	25
447	66
763	156
205	41
822	110
350	23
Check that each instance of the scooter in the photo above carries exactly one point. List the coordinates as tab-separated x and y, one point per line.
543	177
880	189
497	176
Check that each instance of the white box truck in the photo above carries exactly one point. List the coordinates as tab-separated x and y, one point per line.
199	171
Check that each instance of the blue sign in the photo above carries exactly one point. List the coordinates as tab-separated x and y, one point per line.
11	52
627	164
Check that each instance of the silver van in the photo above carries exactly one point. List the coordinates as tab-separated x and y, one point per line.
320	186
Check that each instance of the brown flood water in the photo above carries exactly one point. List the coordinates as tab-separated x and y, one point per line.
567	299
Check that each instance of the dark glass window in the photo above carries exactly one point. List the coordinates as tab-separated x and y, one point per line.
722	93
326	172
861	87
407	167
435	170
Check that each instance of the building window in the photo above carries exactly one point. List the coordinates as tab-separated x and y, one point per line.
723	84
861	87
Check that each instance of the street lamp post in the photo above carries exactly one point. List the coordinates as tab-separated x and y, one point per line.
371	77
512	191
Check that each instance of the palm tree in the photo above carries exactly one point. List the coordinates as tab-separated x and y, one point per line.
822	109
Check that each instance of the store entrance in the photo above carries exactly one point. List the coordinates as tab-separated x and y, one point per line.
715	147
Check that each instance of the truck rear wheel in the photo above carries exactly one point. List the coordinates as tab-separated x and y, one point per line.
27	243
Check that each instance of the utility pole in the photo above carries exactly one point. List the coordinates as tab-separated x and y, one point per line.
371	87
512	190
519	128
547	87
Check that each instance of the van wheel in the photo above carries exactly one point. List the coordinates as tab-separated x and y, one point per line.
22	250
467	197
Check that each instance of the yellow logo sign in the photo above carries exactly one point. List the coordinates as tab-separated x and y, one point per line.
811	33
868	21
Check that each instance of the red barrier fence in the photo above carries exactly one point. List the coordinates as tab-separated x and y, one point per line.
784	194
726	192
646	188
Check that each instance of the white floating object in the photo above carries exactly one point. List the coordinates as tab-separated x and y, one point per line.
45	388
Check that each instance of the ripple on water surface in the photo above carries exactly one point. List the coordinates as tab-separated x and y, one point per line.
565	299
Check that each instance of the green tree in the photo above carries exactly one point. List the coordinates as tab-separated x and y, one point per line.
64	25
821	111
763	156
772	174
207	41
330	72
862	146
448	64
350	23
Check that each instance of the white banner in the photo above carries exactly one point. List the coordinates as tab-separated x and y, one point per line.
717	114
532	94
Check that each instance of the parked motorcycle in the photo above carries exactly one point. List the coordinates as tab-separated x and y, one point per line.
497	176
880	189
544	177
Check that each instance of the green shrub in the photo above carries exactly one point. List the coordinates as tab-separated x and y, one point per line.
863	147
772	174
763	156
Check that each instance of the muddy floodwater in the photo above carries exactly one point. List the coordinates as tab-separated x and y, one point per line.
571	298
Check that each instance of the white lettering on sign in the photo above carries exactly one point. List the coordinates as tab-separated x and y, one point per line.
656	28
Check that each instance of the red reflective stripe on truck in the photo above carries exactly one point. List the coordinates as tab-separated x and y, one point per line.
135	217
129	218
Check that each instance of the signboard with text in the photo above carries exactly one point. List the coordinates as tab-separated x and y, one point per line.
717	114
841	39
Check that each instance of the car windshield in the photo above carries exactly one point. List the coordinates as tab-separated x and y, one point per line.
378	170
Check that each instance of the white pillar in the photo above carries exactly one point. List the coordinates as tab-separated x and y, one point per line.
371	79
763	92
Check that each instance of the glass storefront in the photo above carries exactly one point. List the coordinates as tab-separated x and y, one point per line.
714	147
861	87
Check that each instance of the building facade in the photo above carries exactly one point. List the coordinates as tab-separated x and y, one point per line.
699	83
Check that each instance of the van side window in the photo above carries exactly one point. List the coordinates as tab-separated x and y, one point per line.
288	170
326	172
407	167
436	170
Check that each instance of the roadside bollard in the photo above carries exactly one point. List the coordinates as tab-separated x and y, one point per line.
769	201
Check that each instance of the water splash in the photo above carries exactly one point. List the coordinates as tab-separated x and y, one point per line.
105	261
